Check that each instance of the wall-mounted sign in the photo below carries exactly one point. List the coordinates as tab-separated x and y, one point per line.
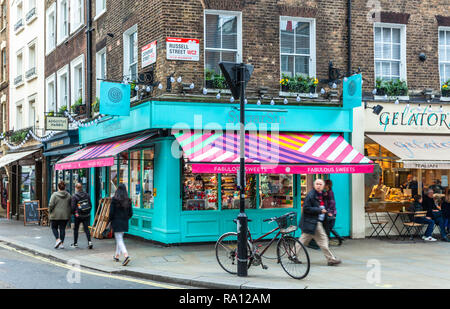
114	99
402	118
183	49
148	54
53	123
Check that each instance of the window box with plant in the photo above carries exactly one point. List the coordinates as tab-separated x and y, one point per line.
62	109
78	107
95	106
391	90
445	91
298	85
214	80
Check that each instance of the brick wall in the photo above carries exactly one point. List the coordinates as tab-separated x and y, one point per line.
260	19
4	86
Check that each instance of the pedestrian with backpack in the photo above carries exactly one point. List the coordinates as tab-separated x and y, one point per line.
59	213
120	213
81	208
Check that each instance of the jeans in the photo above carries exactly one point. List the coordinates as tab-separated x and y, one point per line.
447	223
440	221
61	226
78	222
430	224
120	245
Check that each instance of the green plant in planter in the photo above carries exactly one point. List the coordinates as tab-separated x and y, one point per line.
209	74
95	106
18	136
445	89
51	114
391	88
62	110
299	83
76	105
219	82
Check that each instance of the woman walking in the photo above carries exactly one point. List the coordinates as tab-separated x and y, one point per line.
330	205
59	213
120	213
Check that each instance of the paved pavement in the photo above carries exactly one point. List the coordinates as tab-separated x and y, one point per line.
368	263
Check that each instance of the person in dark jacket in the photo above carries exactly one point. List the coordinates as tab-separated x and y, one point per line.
81	200
445	208
59	213
330	205
434	213
311	222
415	207
120	213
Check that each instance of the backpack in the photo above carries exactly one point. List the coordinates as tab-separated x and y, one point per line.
83	208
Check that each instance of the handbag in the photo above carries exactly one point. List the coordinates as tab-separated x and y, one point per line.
108	232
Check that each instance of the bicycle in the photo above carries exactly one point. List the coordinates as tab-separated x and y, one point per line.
291	253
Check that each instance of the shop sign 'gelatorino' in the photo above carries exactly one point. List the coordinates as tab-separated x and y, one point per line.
401	118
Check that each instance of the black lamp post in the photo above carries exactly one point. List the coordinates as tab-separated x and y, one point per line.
237	76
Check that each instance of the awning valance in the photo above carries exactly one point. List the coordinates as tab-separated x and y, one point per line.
284	152
98	155
12	157
417	151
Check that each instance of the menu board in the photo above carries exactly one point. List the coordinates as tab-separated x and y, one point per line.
31	212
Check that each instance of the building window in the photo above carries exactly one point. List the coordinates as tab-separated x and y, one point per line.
101	68
222	39
230	191
32	111
31	13
276	191
63	20
77	77
390	52
77	14
19	69
51	29
4	21
19	17
31	71
444	54
147	178
297	46
100	7
62	88
51	94
130	63
4	124
4	64
200	191
18	117
135	179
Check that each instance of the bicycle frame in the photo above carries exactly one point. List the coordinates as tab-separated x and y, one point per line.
252	242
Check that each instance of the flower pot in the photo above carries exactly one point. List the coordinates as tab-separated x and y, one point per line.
209	84
285	88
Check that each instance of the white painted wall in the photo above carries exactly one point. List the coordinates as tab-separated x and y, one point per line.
358	220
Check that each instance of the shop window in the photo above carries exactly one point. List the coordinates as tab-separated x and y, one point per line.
200	190
123	168
276	191
230	192
147	178
112	186
135	183
28	184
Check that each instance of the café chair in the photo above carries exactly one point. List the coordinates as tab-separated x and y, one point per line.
409	225
378	225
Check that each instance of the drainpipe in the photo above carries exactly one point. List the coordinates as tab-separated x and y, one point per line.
349	40
89	57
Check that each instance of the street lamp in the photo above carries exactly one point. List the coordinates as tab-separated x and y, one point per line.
237	76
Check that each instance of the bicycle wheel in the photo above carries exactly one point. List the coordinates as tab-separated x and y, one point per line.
293	257
226	252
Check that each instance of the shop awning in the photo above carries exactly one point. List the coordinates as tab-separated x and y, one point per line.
282	153
12	157
417	151
99	155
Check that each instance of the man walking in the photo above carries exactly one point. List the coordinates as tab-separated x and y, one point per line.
81	208
312	220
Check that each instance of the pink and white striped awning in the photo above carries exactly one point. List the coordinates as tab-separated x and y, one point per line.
275	152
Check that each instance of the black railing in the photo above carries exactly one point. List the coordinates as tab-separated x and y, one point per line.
31	14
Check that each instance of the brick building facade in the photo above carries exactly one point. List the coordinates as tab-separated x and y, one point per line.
4	62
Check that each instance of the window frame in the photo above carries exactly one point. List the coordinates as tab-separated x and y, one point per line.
126	51
98	57
60	37
447	47
74	9
49	80
63	71
238	14
32	102
312	43
98	12
19	105
403	43
50	47
4	63
74	64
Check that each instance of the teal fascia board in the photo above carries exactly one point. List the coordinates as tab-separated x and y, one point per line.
214	116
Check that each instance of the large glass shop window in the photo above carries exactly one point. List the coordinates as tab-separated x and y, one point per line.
230	192
28	184
276	191
123	169
200	190
112	185
135	183
147	178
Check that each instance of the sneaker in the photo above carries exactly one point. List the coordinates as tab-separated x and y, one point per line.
58	243
334	262
61	246
90	246
429	238
424	237
115	259
74	246
126	261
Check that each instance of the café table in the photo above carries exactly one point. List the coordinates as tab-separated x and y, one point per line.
396	214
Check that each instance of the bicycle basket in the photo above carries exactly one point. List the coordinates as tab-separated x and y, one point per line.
287	223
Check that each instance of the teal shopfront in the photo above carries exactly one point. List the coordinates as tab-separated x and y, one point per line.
180	184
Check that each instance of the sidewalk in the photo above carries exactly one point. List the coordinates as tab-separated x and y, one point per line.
403	264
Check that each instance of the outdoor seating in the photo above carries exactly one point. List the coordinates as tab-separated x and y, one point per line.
409	224
377	224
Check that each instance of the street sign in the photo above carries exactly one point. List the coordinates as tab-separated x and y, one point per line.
183	49
55	123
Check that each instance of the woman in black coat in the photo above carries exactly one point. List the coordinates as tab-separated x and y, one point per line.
120	213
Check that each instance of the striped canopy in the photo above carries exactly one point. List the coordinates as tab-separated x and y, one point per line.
98	155
284	148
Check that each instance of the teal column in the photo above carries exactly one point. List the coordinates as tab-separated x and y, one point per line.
92	177
166	223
